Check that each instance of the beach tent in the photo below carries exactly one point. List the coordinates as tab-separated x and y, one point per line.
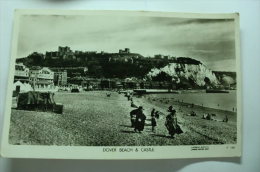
35	100
28	87
20	87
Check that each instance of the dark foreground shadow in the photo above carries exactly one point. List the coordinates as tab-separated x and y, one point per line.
147	124
128	126
43	165
161	135
127	131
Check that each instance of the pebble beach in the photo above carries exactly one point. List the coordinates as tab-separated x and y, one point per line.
93	119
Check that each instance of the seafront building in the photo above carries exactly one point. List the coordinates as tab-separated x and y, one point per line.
41	77
21	73
34	78
44	78
60	78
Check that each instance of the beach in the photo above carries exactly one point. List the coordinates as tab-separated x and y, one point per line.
93	119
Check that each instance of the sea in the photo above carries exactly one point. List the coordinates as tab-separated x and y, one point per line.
223	101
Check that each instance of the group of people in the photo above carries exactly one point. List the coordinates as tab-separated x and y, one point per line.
138	118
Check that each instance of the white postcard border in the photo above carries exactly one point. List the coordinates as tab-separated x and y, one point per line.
97	152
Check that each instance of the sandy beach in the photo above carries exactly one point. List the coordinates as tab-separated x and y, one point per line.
93	119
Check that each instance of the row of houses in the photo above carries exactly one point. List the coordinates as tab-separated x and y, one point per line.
44	78
39	77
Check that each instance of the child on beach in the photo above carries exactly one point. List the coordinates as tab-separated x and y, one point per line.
225	119
156	114
133	117
153	123
153	120
152	112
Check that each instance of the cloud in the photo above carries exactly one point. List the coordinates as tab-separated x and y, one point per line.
209	40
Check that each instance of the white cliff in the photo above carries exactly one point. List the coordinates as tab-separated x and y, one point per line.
196	73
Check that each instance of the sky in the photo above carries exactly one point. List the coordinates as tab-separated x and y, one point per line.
212	41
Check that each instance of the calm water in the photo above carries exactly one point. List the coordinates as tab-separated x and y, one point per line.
224	101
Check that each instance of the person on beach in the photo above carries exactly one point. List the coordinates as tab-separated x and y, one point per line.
133	105
152	112
225	119
140	120
193	113
153	122
171	123
157	115
133	114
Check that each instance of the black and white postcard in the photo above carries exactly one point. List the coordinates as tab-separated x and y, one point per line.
123	85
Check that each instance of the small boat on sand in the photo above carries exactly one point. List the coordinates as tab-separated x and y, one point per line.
216	91
153	91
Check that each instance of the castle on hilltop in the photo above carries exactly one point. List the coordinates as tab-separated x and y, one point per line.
62	53
66	53
125	51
